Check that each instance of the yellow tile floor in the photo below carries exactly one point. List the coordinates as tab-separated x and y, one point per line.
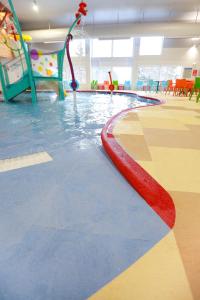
165	140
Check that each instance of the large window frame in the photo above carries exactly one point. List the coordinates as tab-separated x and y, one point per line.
112	62
112	50
151	45
158	74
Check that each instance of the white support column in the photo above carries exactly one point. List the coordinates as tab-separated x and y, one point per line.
135	63
88	63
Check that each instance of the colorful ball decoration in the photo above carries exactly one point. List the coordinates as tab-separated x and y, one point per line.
40	53
34	54
49	72
40	69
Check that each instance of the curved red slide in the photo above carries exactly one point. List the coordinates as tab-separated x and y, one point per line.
152	192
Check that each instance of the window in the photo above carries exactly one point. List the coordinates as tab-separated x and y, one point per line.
118	73
151	45
80	74
112	48
149	72
111	55
79	71
123	48
171	72
158	72
77	48
101	48
100	74
122	74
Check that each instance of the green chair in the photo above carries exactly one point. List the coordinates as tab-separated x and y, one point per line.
94	85
196	89
116	84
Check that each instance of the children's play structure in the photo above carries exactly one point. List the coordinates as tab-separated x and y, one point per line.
21	69
81	11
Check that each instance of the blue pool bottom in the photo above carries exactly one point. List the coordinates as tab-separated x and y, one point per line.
69	226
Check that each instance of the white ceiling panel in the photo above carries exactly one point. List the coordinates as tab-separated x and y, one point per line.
156	15
60	13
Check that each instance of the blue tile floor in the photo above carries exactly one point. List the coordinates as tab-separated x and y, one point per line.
69	226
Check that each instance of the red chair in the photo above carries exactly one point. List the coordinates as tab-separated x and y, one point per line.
101	86
106	85
121	87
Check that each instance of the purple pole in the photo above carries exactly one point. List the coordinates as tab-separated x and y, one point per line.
74	84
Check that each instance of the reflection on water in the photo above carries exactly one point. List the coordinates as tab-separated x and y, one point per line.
50	124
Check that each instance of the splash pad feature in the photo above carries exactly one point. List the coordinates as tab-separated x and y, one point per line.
111	86
82	11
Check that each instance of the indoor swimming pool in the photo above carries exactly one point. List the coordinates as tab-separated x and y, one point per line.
69	225
51	123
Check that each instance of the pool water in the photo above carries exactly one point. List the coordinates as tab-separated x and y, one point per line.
70	226
50	123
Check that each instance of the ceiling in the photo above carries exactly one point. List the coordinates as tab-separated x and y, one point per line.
60	13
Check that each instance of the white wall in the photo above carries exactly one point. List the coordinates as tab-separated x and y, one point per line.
171	56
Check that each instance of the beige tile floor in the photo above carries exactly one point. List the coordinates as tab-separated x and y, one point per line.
165	140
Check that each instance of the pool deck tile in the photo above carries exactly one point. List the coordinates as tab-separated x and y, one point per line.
70	226
172	137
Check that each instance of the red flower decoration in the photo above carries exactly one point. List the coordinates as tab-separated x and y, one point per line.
83	8
82	11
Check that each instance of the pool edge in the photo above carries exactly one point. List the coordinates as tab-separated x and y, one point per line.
151	191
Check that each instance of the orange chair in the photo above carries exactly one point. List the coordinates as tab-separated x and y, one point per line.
180	87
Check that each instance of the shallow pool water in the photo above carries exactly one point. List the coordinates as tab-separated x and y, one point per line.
69	226
51	123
